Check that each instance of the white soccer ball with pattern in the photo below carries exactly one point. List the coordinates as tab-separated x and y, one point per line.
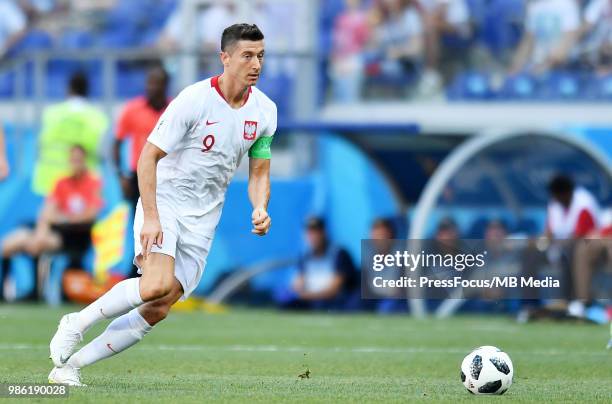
487	370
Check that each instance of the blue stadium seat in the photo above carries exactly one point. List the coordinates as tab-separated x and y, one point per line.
35	39
119	38
470	86
7	84
160	12
602	87
278	88
560	86
327	16
522	86
60	70
76	39
131	80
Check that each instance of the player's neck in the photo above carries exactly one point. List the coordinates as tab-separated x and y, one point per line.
233	92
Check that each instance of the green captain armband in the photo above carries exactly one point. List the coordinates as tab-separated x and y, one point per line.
261	148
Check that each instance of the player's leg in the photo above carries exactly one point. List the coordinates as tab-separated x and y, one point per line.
156	282
127	330
160	291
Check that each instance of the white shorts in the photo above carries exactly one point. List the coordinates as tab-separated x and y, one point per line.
188	249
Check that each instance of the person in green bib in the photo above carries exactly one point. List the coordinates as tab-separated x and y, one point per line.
72	122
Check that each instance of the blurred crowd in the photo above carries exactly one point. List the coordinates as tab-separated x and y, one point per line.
370	48
70	24
381	45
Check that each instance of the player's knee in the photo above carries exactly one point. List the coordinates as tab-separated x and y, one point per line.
152	291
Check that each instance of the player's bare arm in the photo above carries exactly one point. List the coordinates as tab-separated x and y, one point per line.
259	195
151	232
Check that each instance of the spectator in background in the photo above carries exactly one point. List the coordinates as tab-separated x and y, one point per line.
74	121
326	276
448	35
551	32
66	218
596	48
592	253
502	258
349	36
136	122
37	8
397	42
13	24
4	165
209	25
390	300
447	235
291	36
573	212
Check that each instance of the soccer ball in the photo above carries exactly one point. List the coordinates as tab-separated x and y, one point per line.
487	370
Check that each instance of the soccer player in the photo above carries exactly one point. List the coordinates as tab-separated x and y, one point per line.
183	173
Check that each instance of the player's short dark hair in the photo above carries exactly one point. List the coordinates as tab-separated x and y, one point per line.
78	84
561	184
240	32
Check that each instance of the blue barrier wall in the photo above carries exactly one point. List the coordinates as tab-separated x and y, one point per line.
345	188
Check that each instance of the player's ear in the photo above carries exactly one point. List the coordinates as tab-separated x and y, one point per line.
224	57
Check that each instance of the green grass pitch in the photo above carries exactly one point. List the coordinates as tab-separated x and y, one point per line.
256	356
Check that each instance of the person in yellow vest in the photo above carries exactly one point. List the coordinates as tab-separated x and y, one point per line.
72	122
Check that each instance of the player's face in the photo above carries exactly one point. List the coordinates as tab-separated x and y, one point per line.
243	62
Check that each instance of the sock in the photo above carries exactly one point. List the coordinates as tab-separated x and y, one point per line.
121	333
119	300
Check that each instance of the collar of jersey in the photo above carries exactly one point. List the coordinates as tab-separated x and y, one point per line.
214	82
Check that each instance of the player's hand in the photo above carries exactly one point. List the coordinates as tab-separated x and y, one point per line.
150	234
261	222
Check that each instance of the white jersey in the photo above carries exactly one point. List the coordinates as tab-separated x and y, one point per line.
205	139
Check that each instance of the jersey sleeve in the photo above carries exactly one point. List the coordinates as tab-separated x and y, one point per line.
175	122
261	148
